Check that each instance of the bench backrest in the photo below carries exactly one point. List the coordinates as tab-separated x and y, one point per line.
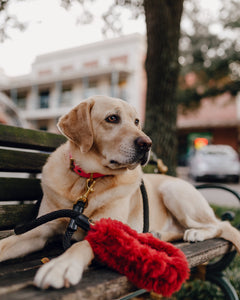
23	152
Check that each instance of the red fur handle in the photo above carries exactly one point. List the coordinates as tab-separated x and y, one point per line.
148	262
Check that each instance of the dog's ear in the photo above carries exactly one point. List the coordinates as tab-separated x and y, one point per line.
77	125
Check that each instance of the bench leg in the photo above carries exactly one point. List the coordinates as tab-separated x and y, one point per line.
220	280
214	271
214	274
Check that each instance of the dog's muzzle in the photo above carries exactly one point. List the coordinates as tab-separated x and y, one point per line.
132	156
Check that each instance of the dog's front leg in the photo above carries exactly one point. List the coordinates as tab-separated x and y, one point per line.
21	245
66	269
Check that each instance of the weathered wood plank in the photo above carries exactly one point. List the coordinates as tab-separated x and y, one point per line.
96	284
20	189
11	136
20	161
31	261
12	215
201	252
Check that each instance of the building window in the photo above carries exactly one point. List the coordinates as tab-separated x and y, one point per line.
42	125
122	88
66	96
20	99
118	85
91	89
44	99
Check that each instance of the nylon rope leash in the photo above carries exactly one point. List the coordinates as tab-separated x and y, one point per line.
78	219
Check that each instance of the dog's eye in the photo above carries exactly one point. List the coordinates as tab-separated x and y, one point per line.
113	119
136	122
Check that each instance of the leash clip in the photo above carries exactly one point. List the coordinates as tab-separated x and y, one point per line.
80	204
89	186
81	220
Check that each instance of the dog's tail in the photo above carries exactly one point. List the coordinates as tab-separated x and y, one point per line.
230	233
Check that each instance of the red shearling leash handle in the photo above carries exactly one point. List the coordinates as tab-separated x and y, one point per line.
148	262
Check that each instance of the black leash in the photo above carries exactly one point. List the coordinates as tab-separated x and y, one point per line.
78	219
145	207
73	224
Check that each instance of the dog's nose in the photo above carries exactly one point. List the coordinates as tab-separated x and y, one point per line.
143	143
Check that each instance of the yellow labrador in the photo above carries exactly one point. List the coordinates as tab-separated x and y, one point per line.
104	136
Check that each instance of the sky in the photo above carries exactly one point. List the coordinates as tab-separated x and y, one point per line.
52	27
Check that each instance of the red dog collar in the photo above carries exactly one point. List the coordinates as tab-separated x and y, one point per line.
75	168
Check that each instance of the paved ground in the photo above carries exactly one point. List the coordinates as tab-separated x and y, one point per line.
214	196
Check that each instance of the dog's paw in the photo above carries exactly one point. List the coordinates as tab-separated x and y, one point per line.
58	273
194	235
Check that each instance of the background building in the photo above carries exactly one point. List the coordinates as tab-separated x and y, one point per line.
114	67
60	80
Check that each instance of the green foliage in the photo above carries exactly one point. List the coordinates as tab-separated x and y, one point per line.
219	210
199	290
212	56
151	166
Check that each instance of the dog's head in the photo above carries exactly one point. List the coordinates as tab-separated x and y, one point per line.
109	128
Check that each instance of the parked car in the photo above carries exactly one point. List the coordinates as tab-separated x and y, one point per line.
215	162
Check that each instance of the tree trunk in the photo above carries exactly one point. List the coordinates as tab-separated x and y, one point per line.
163	32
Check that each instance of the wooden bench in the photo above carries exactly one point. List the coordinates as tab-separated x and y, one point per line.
23	153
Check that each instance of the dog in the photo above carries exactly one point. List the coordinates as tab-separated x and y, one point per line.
105	137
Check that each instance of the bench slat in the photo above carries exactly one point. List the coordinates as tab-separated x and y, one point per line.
12	215
20	189
98	283
20	161
11	136
200	252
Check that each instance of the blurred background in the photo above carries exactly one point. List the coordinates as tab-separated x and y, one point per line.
55	53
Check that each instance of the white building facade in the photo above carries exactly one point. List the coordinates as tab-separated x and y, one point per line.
60	80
